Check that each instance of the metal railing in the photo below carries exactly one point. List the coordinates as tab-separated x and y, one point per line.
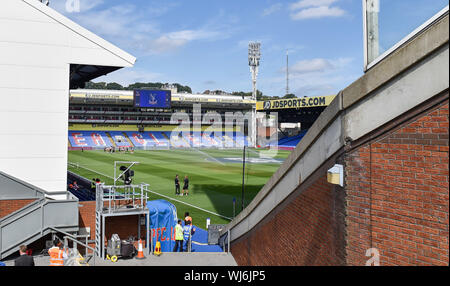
34	221
76	242
133	195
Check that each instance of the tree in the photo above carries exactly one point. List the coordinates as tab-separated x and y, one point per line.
290	95
114	85
259	94
95	85
141	85
182	88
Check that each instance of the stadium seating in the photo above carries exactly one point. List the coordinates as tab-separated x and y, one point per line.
82	194
179	140
240	139
156	139
160	138
119	139
137	138
290	142
95	139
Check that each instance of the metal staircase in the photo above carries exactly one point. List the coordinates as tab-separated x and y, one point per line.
36	219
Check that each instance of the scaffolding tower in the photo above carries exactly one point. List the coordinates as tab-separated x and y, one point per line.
112	201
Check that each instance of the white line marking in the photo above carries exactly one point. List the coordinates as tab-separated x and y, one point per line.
209	156
79	166
228	218
191	205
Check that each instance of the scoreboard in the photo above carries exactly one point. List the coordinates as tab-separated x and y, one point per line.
152	98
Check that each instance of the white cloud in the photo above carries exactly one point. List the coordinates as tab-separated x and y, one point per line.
127	25
128	76
317	65
311	9
173	40
115	21
84	5
318	12
314	77
272	9
311	3
311	66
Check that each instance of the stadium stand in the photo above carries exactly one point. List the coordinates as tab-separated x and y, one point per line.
155	139
83	193
94	139
110	118
119	139
290	142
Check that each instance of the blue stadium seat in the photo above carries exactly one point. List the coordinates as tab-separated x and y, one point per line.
95	139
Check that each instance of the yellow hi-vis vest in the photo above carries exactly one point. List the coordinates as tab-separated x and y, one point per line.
178	232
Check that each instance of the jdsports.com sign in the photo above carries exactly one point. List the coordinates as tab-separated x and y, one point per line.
295	102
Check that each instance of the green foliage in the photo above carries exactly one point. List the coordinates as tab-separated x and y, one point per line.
114	86
136	85
95	85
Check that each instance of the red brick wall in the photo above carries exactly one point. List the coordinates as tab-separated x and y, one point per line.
86	216
301	232
10	206
398	196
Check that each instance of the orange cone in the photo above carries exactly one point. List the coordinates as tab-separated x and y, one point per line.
140	251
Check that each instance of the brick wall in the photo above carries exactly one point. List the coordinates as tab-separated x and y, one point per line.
398	196
395	199
301	231
10	206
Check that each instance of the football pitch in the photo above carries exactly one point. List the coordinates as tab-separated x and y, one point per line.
215	177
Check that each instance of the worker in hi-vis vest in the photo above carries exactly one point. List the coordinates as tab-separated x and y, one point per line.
188	231
178	237
57	255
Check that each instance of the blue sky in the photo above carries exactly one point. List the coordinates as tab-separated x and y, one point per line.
204	43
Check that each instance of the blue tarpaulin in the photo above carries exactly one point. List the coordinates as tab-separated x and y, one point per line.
163	217
200	242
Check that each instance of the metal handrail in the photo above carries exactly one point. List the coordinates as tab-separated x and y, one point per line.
74	239
31	207
23	211
112	196
37	206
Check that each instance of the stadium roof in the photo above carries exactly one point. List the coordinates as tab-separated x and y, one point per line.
81	72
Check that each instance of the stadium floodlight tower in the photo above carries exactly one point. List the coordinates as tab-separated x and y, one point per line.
254	55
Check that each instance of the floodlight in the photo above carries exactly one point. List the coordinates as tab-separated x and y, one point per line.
254	56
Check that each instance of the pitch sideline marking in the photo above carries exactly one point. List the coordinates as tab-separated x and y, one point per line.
209	156
191	205
228	218
79	166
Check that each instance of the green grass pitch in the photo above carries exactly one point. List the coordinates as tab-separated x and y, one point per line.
215	177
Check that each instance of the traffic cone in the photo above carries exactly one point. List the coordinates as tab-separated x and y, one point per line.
140	251
158	248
